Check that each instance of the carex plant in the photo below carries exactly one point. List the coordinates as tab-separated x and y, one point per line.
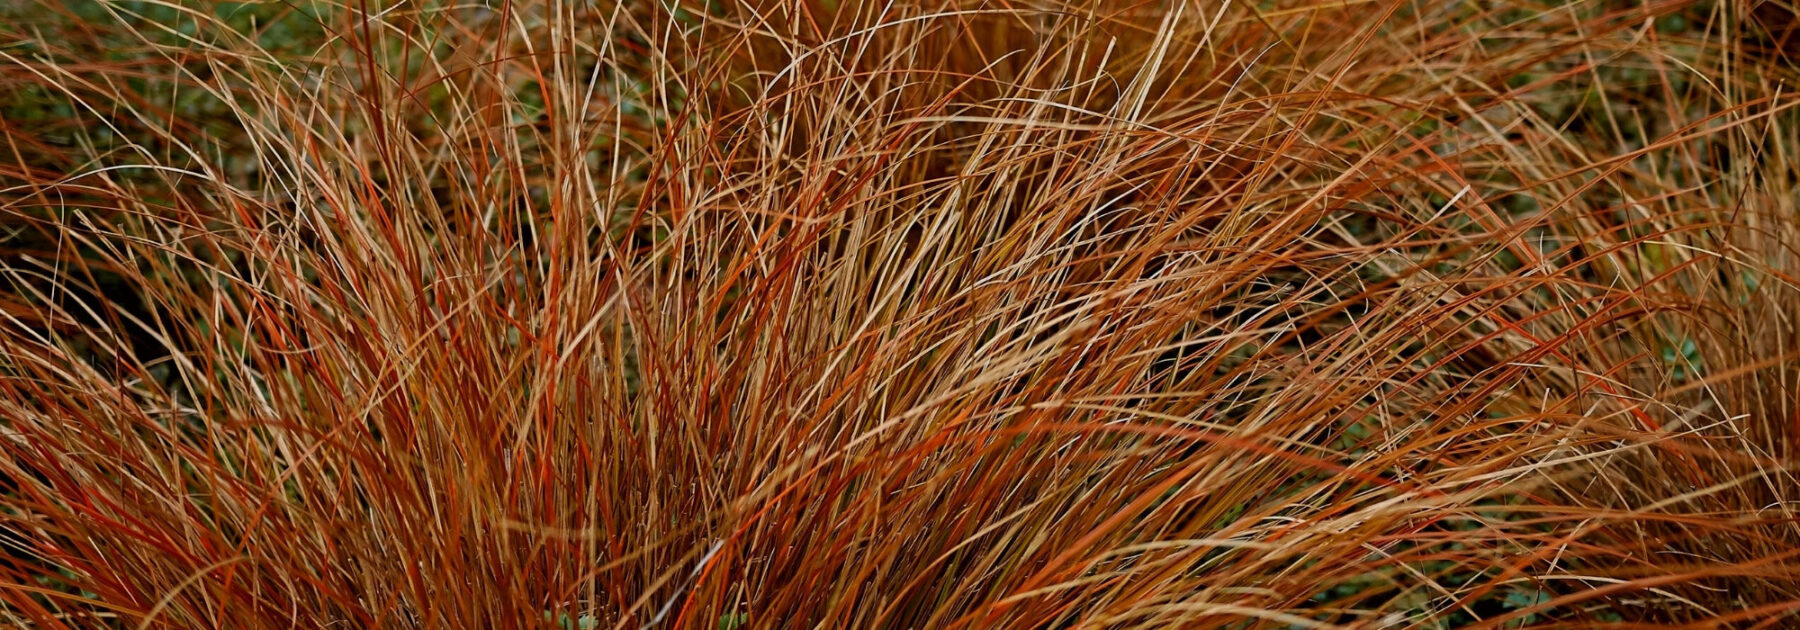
899	314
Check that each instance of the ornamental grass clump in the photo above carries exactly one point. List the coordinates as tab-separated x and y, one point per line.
908	314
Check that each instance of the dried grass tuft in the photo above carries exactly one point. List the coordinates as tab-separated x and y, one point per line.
914	314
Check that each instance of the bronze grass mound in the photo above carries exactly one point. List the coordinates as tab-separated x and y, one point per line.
898	314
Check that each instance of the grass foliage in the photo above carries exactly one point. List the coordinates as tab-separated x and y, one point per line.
899	314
